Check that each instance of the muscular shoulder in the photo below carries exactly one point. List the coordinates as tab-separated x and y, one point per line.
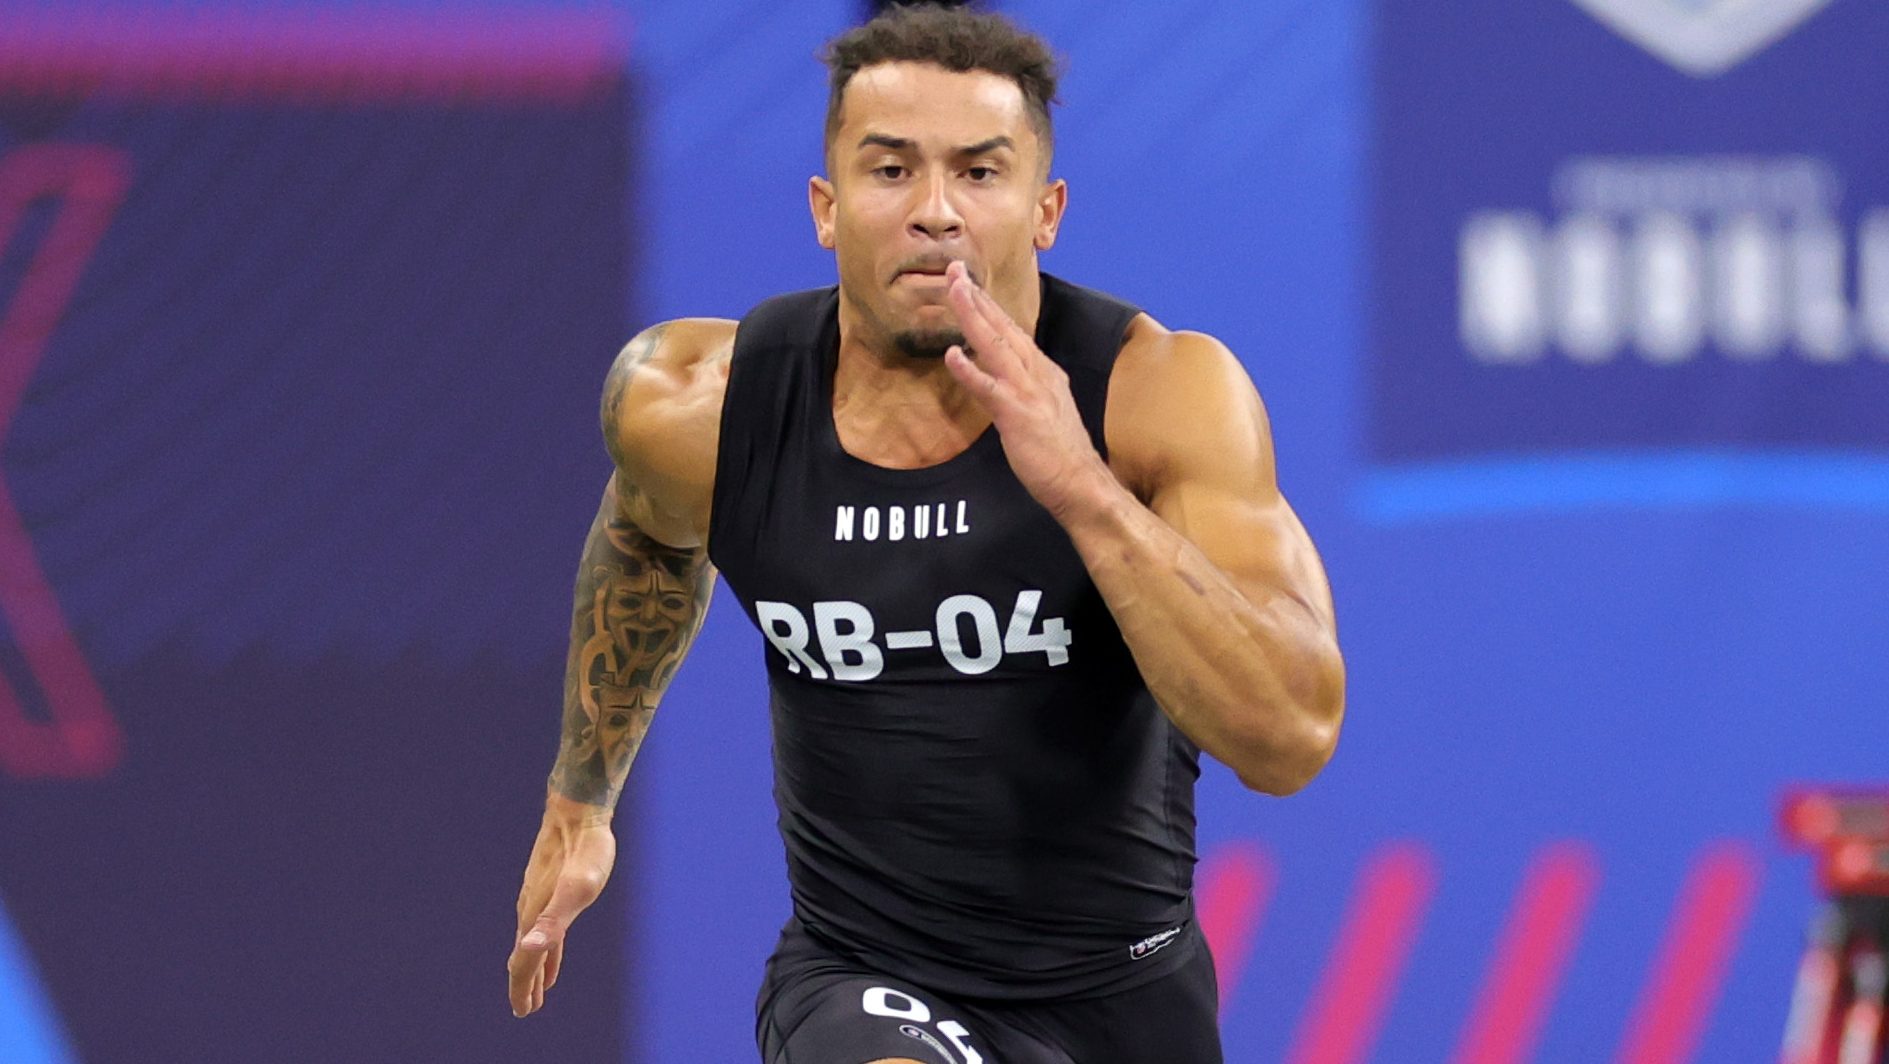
661	416
1180	405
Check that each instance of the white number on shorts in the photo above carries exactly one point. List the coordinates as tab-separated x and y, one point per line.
878	1002
955	1031
898	1005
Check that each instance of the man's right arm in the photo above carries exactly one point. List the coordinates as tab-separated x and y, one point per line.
644	582
642	590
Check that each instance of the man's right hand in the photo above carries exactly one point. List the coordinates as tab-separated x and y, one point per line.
569	865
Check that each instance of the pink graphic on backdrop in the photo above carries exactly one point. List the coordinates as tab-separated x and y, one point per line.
1689	973
80	737
337	55
1532	955
1353	995
1235	883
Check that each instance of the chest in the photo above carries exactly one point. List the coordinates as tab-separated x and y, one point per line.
858	574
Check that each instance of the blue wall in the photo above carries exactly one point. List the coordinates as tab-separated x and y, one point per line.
1544	649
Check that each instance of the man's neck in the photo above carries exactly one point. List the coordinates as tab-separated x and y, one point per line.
895	410
898	411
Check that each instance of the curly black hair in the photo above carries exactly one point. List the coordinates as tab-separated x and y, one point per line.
955	38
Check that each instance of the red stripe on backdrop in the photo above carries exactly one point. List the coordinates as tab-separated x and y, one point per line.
1532	955
89	181
1689	972
1355	991
331	56
1235	884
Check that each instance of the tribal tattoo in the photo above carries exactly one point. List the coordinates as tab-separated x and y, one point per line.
638	606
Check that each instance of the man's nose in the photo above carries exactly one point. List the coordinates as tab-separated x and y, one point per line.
935	216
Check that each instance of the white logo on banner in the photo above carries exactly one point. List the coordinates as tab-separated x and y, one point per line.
1669	257
1704	38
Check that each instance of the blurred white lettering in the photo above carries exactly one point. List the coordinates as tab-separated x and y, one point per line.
1874	286
1668	286
1501	284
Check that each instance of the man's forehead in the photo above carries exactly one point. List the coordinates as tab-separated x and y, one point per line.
919	101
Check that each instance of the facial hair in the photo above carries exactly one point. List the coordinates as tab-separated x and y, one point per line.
930	344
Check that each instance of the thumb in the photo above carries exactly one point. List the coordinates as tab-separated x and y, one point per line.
570	897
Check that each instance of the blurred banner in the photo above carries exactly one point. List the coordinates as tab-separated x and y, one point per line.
302	320
1626	369
1643	242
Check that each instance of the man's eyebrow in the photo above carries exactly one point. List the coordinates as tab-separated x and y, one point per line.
984	147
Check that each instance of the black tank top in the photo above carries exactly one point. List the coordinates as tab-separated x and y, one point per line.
976	790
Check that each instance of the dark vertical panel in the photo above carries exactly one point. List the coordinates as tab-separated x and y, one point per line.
303	459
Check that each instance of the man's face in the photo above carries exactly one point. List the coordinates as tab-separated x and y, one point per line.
930	166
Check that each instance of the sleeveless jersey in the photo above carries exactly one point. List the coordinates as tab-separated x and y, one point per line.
977	792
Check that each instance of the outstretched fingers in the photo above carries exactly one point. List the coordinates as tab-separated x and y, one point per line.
983	323
538	955
972	375
1016	338
526	971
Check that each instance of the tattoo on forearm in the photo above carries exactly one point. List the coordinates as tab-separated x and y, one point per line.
638	606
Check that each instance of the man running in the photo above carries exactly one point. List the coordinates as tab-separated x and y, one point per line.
1018	554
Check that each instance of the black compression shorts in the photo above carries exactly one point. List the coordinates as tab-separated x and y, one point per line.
816	1007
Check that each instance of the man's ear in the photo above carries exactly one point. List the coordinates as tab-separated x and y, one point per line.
1050	205
821	201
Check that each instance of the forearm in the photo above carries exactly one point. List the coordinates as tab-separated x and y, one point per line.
1248	672
637	607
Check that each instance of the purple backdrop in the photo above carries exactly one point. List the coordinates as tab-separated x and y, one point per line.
302	322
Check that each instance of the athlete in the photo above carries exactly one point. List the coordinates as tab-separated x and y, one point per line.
1018	554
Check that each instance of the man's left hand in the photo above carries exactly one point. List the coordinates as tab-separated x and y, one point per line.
1028	398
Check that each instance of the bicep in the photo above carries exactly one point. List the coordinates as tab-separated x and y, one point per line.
1214	480
661	416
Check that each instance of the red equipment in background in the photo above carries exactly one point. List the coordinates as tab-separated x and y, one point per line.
1838	1005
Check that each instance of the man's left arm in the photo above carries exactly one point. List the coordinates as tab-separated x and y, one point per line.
1214	583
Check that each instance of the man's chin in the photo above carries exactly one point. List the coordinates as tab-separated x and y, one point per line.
927	343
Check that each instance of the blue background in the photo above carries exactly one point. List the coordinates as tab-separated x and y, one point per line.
1545	644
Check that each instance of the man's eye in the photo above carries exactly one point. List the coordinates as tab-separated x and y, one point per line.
890	171
981	174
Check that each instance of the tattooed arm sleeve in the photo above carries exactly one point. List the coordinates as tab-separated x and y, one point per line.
638	606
